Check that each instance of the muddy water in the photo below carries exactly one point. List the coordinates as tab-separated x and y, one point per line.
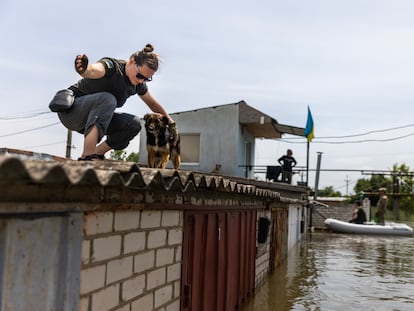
342	272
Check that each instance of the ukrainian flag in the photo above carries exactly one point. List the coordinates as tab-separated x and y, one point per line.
309	134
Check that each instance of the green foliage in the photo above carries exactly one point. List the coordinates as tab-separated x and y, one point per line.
121	155
372	184
399	180
132	157
329	192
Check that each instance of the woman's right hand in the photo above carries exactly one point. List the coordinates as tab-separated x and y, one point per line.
81	63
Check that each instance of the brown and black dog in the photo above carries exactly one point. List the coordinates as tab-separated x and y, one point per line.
159	142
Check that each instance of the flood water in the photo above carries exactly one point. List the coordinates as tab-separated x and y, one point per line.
331	271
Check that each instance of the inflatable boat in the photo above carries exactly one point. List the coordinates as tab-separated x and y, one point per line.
389	228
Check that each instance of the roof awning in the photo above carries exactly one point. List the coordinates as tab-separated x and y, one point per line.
260	125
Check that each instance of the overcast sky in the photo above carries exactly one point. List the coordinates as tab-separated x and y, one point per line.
350	61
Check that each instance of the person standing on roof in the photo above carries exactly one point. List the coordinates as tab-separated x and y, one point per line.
287	162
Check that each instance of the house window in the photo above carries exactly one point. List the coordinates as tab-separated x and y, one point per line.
190	148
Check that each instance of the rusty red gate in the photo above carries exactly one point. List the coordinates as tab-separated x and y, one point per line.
219	251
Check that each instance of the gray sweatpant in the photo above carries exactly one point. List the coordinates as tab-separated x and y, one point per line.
99	109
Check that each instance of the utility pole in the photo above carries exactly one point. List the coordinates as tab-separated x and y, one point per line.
315	195
318	169
347	183
69	144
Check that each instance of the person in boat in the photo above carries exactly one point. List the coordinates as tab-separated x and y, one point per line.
358	215
381	206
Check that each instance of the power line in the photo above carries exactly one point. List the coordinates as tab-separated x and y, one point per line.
29	130
45	145
365	140
370	132
292	139
27	116
315	140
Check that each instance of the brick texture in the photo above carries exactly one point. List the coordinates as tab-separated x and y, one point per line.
131	260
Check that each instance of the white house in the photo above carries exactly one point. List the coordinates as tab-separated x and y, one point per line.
221	139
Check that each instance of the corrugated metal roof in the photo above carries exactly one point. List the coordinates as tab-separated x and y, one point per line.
35	181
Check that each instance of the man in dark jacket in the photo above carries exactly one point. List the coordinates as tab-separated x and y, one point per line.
358	216
287	162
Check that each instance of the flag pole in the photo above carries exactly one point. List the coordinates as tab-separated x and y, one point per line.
309	136
307	163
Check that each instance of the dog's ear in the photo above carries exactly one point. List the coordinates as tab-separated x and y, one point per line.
146	117
165	120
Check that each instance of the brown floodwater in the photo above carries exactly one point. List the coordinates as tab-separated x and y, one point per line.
331	271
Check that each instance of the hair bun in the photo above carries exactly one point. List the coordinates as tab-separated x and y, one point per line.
148	48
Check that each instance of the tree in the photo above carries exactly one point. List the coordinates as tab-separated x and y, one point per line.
399	184
132	157
121	155
372	184
118	155
329	192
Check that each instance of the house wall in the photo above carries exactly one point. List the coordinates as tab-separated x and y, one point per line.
111	260
131	260
220	138
295	218
109	236
285	233
245	138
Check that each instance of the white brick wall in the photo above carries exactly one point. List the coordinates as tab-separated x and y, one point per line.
151	219
165	256
163	295
134	242
131	260
175	236
170	219
144	261
126	220
106	248
92	278
119	269
157	238
156	278
96	223
106	298
133	287
145	303
174	272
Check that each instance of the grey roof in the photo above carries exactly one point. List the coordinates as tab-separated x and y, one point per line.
74	183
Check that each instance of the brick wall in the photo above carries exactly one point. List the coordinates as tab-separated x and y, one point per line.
320	213
131	260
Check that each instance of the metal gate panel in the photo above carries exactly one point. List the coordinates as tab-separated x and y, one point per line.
209	273
218	259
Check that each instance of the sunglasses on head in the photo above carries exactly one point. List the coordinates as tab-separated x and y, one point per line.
140	76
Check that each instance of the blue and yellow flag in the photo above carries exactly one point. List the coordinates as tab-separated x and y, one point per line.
309	134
